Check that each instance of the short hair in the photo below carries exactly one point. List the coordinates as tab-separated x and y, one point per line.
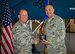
50	3
22	10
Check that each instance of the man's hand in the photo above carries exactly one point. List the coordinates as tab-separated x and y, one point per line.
45	42
36	40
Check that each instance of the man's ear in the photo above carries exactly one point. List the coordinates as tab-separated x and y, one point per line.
19	16
54	10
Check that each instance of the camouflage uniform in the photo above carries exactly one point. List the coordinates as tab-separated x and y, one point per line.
55	32
22	39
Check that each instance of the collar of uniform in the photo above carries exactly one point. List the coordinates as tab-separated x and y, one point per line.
24	25
49	19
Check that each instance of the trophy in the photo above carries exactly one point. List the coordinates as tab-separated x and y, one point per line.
42	37
38	29
39	32
42	33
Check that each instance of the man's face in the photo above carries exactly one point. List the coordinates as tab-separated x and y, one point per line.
23	16
49	11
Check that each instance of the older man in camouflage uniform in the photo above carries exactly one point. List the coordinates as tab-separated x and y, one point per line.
22	35
55	32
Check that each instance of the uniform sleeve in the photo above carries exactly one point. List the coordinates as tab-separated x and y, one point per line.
61	30
16	42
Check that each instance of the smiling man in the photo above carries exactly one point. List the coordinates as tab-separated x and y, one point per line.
22	35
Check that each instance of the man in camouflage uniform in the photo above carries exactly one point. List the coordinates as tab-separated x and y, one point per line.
55	32
22	35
